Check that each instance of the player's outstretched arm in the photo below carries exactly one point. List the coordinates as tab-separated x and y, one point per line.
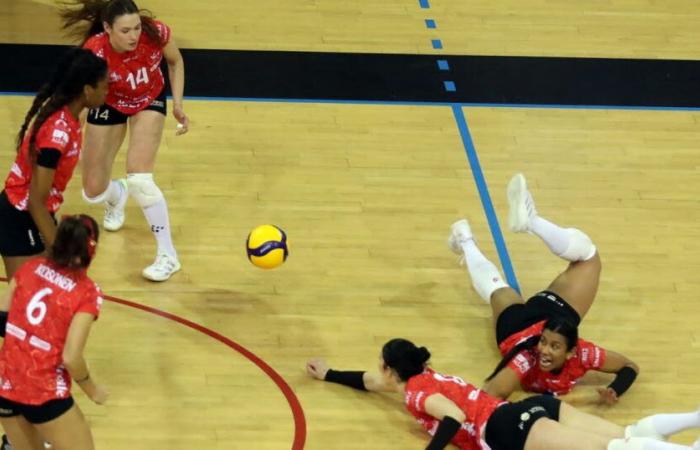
366	381
626	372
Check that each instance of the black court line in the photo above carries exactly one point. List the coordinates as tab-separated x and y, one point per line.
405	78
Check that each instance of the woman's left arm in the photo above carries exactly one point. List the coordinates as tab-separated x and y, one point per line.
176	72
626	372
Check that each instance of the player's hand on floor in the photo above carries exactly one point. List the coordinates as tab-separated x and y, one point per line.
317	368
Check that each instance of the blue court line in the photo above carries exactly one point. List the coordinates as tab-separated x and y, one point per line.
414	103
483	189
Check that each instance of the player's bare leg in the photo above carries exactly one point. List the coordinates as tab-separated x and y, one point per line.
578	284
102	143
145	132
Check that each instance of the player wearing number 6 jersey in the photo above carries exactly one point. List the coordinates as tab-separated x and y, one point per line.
46	319
133	44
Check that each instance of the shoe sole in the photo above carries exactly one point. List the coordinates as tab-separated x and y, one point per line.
111	228
517	212
177	269
451	243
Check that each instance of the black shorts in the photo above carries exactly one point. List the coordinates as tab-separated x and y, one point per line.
541	306
106	115
509	425
36	413
19	235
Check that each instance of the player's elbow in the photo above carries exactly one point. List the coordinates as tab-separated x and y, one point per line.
71	358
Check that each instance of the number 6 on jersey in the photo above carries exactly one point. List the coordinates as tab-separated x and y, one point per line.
36	308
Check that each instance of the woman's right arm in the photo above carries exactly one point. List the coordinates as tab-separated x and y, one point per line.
369	381
74	361
39	189
503	384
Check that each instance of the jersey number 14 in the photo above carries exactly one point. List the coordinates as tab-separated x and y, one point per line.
141	77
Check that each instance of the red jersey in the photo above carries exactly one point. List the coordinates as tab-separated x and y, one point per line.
61	132
476	405
42	308
525	364
135	78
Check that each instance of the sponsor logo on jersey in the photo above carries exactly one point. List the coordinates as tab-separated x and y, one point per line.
522	363
60	137
17	170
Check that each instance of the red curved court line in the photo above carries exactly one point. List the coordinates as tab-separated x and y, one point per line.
294	404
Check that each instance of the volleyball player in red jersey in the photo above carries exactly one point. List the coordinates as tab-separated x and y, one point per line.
454	411
539	338
47	153
46	319
133	44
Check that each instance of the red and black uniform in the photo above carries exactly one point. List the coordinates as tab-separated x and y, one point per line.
58	143
520	322
33	381
136	80
490	423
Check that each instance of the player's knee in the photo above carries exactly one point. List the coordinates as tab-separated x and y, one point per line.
144	189
580	248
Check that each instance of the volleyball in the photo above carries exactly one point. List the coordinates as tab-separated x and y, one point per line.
267	246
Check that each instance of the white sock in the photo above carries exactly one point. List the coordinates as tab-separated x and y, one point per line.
484	274
115	191
157	217
652	444
569	243
643	444
666	424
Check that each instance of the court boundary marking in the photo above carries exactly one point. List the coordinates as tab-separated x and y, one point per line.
287	391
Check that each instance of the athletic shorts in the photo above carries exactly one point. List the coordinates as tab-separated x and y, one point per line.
19	235
36	414
106	115
509	425
541	306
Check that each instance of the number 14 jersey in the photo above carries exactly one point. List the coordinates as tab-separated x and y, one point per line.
135	78
42	307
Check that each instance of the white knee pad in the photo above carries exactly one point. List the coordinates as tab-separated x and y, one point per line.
98	199
630	443
144	189
580	247
644	428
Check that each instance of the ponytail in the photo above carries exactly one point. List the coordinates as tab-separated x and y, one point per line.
527	344
78	68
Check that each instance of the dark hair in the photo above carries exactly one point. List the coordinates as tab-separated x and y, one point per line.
405	358
75	243
95	12
555	324
78	68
